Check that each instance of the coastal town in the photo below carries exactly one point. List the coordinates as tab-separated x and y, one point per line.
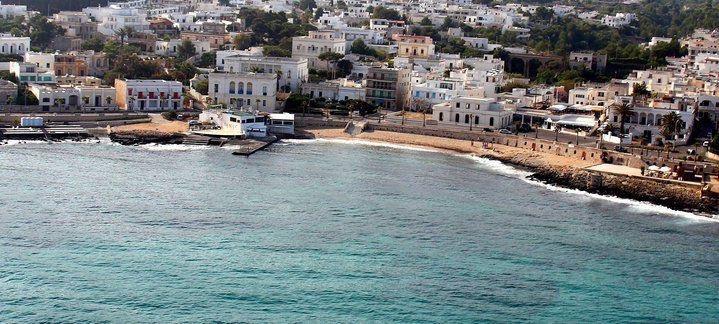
588	96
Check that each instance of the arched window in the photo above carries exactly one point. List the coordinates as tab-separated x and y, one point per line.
476	120
249	88
491	121
456	118
441	116
241	88
466	119
264	90
232	86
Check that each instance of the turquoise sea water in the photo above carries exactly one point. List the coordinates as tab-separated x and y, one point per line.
330	232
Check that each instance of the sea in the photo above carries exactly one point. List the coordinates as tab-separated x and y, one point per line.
332	231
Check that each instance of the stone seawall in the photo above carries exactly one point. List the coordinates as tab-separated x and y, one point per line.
676	196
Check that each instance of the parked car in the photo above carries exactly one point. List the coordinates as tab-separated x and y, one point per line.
705	144
193	122
488	130
524	128
505	131
620	148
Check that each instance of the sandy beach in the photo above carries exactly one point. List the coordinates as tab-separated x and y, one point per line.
501	152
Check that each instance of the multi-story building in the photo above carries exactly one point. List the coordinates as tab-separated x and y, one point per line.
76	24
66	64
317	42
169	48
10	44
149	95
215	40
30	73
646	119
292	71
338	89
256	91
115	17
590	61
74	97
620	19
388	88
12	11
8	92
415	46
473	112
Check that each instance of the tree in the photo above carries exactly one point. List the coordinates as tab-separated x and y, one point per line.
207	60
714	147
186	49
42	32
671	124
640	89
296	103
275	51
307	5
332	58
426	21
624	110
95	44
123	33
363	107
318	13
381	12
344	67
202	86
243	42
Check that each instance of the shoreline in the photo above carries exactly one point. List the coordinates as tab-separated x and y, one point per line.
560	171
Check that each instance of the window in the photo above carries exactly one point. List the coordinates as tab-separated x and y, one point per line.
249	88
217	88
491	121
456	118
232	87
264	90
441	116
476	120
466	119
241	88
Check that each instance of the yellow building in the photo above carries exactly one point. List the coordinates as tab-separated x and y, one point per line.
415	46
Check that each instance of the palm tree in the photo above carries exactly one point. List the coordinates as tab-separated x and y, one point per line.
624	110
670	125
332	58
279	76
124	32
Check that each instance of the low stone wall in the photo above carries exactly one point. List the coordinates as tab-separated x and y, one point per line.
533	144
74	118
675	196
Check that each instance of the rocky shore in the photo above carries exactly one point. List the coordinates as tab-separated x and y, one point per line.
561	171
136	137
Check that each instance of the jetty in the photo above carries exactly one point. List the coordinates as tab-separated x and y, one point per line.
250	146
47	133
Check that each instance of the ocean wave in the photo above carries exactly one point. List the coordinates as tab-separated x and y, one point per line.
173	147
365	143
511	171
636	206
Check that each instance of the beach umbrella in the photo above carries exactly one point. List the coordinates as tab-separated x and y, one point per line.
653	168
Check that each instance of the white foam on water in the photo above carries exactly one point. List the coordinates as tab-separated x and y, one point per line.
376	144
633	205
508	170
173	147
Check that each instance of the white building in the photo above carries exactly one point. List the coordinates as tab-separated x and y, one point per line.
115	17
41	60
339	89
30	73
256	91
149	95
81	97
646	120
472	112
10	44
317	42
620	19
169	48
292	72
11	11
